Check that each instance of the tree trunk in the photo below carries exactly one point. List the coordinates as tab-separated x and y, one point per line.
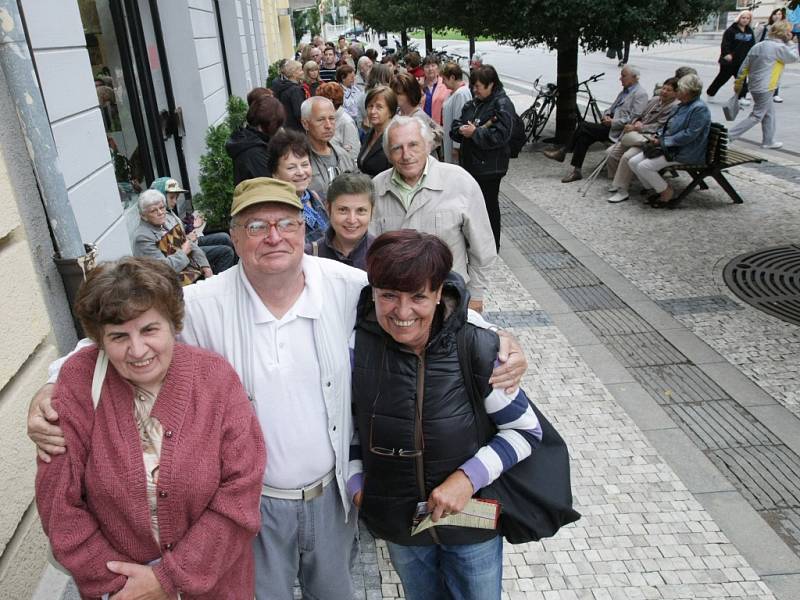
428	40
566	109
471	47
404	40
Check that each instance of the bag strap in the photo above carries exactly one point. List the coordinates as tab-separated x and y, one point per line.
465	362
100	368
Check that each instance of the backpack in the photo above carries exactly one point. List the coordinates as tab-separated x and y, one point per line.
518	137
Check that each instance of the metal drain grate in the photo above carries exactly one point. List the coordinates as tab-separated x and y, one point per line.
769	280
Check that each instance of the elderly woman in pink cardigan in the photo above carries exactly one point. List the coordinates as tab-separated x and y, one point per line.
157	495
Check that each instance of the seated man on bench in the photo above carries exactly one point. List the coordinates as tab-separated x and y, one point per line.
630	101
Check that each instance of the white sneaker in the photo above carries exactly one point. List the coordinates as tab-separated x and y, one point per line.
620	196
777	99
612	188
744	102
772	146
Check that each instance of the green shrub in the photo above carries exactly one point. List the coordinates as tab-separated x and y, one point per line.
274	71
216	168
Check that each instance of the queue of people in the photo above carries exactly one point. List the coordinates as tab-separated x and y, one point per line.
258	489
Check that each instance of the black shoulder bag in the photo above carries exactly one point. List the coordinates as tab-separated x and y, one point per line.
535	495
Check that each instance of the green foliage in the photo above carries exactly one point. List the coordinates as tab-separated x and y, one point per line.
216	168
274	72
305	21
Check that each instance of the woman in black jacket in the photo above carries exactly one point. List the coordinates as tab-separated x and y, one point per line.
248	146
484	131
381	106
736	43
418	429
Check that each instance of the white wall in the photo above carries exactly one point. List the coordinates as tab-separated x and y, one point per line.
62	62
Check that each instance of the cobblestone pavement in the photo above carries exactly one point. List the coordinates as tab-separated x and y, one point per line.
677	256
643	535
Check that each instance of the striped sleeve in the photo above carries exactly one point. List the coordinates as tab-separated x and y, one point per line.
355	475
519	432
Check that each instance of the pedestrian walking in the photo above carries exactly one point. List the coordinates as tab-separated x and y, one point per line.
779	14
764	65
736	43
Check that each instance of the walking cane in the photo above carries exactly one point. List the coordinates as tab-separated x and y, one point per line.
594	175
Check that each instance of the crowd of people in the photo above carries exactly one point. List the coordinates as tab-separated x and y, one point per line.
214	436
242	398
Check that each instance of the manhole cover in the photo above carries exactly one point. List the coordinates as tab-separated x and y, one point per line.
769	280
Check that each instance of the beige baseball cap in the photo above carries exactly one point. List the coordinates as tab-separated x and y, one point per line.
263	189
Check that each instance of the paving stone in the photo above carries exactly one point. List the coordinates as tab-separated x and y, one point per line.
699	304
586	298
677	383
643	349
720	424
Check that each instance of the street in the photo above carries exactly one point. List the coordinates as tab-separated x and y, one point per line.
518	70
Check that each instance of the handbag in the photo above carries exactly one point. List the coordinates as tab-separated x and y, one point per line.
535	495
652	150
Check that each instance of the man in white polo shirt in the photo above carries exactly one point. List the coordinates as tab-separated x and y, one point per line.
283	320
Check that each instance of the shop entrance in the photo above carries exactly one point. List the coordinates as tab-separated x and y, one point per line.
143	126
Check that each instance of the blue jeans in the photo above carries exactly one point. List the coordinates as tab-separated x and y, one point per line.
457	572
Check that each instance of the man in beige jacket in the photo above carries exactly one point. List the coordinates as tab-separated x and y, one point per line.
421	193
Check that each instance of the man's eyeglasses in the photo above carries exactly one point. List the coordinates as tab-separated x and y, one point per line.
260	229
396	452
155	210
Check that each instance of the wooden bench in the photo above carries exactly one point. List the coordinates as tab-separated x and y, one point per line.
718	158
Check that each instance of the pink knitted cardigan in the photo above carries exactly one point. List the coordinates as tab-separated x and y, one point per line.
93	502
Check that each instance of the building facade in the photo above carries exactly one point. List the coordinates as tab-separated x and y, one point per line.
129	88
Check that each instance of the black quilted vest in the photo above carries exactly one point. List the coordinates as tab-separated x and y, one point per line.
386	380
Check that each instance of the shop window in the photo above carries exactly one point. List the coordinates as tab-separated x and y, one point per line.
115	84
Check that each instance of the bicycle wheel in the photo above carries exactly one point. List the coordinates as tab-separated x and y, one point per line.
542	117
529	120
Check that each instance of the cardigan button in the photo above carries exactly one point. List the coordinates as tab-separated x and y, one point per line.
167	546
162	494
168	434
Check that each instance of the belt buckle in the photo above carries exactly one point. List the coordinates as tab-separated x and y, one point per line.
312	492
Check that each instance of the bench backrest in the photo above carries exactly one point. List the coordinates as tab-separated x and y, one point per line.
717	144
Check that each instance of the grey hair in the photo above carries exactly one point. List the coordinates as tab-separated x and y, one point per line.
364	60
308	105
633	70
691	84
402	121
150	197
681	71
350	183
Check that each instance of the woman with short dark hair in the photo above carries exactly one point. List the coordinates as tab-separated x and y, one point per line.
484	132
290	161
157	494
247	146
405	357
353	102
349	202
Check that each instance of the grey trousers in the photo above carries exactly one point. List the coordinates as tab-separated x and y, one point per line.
309	541
763	112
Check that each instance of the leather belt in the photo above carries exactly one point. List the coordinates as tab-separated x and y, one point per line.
306	493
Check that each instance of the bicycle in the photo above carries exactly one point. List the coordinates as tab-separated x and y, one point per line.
536	116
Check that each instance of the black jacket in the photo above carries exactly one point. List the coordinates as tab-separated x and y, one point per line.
248	149
389	382
291	95
736	42
486	153
372	161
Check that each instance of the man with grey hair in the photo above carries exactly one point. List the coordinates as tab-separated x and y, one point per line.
421	193
289	91
160	235
328	159
364	65
630	101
